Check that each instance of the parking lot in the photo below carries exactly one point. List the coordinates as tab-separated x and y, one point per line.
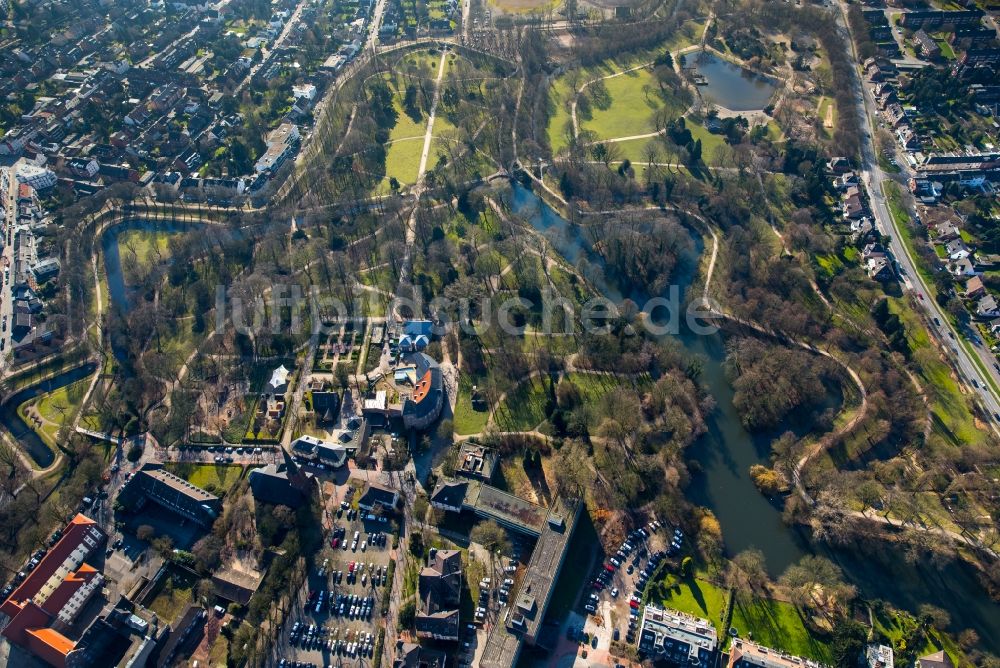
616	590
499	578
339	616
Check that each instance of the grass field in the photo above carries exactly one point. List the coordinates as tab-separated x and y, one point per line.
779	625
58	408
402	160
634	101
559	95
215	478
524	6
593	387
174	597
693	596
709	142
140	250
466	419
952	417
523	408
897	626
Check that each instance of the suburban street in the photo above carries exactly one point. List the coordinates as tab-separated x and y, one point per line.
268	49
375	24
873	177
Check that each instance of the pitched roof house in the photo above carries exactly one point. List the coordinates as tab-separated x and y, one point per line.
440	591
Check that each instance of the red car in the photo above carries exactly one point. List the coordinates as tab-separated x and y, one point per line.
609	568
350	567
633	604
334	542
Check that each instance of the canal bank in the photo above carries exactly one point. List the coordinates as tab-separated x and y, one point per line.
726	453
27	438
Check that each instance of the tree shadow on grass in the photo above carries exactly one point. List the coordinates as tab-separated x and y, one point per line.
697	594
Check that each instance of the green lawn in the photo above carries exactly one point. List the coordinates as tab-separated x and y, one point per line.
402	160
174	597
709	142
634	101
777	624
560	96
897	625
466	419
59	407
215	478
593	387
947	52
523	408
149	246
691	595
953	419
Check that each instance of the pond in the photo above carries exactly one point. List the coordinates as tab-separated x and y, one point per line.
732	86
726	453
32	443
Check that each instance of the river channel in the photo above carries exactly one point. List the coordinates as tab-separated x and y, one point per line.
726	453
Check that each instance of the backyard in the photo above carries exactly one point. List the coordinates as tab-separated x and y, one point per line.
777	624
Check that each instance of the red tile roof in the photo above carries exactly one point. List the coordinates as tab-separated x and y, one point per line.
71	539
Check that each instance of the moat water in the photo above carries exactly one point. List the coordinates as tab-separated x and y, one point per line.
727	451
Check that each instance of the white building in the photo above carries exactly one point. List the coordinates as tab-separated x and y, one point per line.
307	91
37	177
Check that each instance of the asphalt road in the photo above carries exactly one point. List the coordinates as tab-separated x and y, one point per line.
873	177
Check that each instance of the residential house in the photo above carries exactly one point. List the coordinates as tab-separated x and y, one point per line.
845	181
957	250
936	660
878	267
281	143
378	495
853	206
894	115
677	638
985	57
907	138
987	307
439	591
878	656
963	267
307	91
974	288
947	231
476	462
748	654
861	228
838	165
943	20
926	45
